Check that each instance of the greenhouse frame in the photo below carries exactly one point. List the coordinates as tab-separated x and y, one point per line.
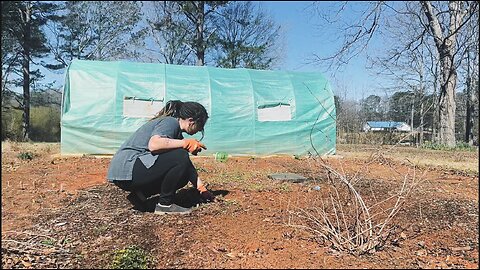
251	112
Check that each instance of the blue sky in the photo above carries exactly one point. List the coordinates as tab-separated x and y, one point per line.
301	39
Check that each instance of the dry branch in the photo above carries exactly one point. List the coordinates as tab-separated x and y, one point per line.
344	218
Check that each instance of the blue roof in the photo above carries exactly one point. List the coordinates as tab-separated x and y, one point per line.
384	124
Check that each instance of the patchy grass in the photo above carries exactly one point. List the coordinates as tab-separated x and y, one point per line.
35	149
464	161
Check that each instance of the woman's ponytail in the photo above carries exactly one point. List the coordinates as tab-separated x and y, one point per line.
172	108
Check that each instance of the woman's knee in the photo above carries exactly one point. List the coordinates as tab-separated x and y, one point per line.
124	185
180	154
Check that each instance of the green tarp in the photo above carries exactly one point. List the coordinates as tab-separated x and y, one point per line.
252	112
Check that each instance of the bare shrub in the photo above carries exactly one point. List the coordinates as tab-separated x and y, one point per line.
342	215
350	221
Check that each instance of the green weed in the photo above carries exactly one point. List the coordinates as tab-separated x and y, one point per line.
284	187
101	229
230	202
26	156
256	187
48	242
462	146
200	169
131	257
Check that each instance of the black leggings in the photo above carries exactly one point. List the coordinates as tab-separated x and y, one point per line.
171	171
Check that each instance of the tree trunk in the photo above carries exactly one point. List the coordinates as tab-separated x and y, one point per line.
447	100
421	126
26	100
470	108
26	73
445	44
469	104
435	108
414	133
200	50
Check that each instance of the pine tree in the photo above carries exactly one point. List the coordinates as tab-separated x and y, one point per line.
96	30
22	23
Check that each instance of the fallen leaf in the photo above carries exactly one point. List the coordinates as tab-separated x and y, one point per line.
421	252
467	248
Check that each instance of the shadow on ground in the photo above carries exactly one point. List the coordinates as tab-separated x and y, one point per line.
188	197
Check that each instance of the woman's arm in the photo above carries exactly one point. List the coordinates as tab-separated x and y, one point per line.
157	144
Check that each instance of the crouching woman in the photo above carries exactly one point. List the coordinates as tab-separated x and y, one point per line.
155	159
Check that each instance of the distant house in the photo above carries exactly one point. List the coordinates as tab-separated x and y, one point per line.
386	126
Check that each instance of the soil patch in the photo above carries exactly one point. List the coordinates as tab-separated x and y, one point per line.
61	213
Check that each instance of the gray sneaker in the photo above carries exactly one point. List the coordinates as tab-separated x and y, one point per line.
171	209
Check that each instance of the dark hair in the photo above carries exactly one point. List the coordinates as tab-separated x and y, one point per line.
185	110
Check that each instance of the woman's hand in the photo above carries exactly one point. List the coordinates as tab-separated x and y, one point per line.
206	195
193	146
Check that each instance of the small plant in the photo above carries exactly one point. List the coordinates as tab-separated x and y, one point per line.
48	242
464	146
437	146
131	257
25	156
230	202
284	187
101	229
200	169
256	187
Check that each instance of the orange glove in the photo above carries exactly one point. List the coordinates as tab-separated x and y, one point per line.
206	195
193	146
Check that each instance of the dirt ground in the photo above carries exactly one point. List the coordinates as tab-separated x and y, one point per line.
59	212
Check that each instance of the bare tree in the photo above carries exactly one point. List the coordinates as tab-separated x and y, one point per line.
190	23
410	62
443	25
245	37
469	69
170	33
460	13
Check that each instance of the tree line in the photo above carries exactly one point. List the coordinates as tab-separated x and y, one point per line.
429	53
410	107
51	34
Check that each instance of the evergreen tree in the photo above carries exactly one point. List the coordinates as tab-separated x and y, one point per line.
22	23
245	37
371	108
191	24
171	33
97	30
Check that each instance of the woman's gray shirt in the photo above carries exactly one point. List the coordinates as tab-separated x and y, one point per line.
136	146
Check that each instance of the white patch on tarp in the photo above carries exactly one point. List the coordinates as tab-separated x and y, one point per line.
280	112
141	108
